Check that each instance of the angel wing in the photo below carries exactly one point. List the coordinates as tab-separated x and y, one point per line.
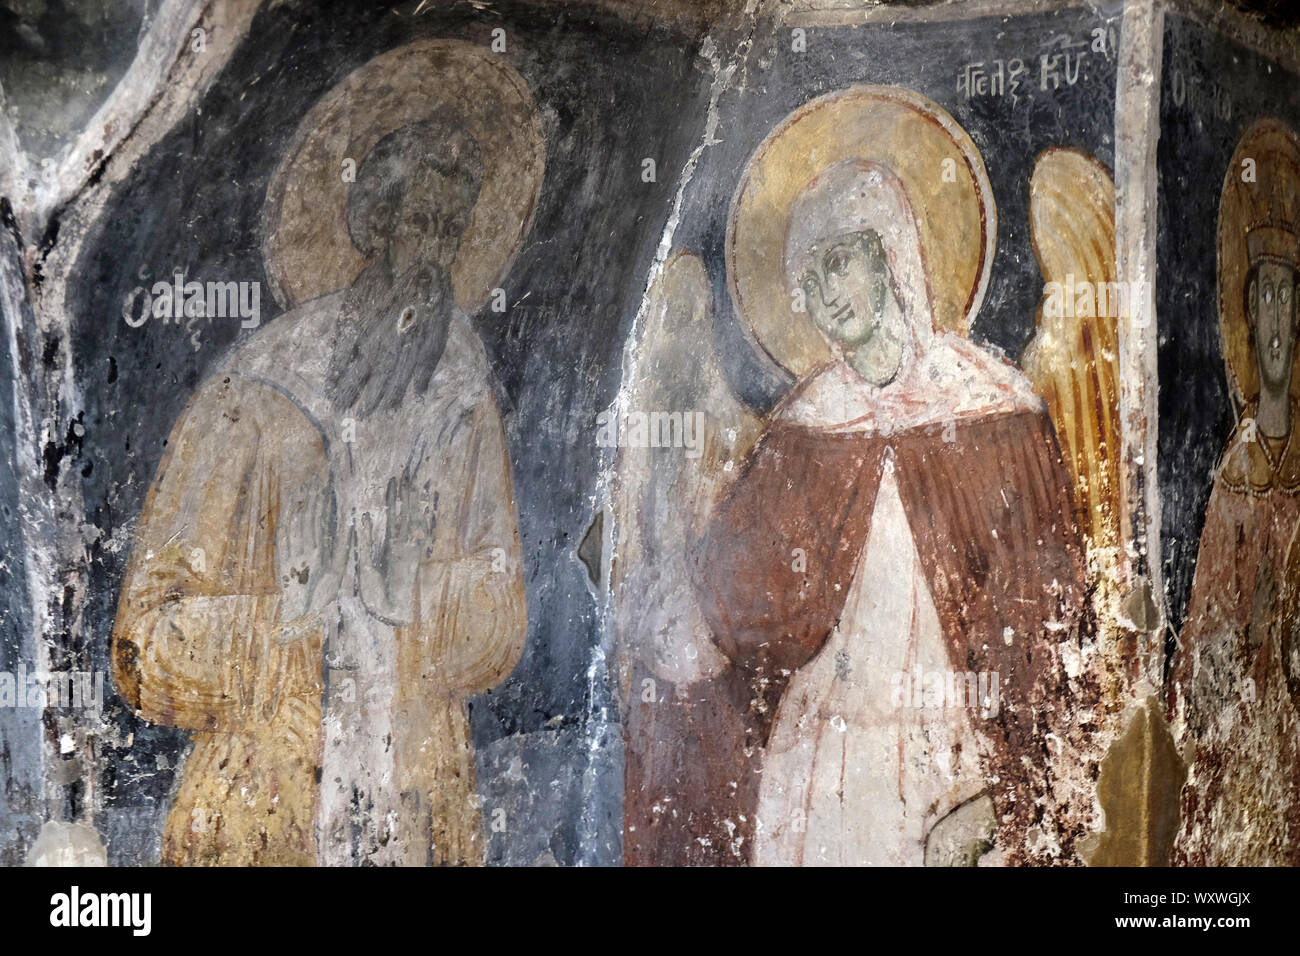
663	495
1073	359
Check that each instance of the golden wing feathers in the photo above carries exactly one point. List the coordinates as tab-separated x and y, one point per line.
1073	359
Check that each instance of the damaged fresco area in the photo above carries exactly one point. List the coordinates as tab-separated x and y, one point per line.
526	433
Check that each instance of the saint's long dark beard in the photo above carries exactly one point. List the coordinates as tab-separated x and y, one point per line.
391	337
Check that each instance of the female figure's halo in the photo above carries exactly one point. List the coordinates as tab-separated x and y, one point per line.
1259	220
946	184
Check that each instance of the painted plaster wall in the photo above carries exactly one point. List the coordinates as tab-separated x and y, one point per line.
178	185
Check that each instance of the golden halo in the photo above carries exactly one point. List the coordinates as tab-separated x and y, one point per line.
888	124
1269	207
306	247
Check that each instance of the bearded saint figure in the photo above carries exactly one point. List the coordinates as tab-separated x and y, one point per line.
327	563
905	514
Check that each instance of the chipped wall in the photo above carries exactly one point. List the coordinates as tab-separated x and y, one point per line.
663	625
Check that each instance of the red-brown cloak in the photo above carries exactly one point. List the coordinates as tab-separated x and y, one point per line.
1234	693
991	513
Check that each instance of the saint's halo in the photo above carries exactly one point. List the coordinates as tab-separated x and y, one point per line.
306	246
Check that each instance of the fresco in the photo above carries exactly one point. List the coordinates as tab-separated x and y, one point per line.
388	476
860	592
619	434
1228	361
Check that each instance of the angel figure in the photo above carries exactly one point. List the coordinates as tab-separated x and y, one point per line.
884	654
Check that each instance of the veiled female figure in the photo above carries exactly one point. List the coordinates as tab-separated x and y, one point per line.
899	566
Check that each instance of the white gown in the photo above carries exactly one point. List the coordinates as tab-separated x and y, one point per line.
852	778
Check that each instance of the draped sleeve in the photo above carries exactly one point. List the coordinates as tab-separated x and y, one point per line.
472	621
995	530
773	567
1223	604
198	640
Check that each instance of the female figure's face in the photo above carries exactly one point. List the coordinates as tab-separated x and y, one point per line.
849	291
1271	304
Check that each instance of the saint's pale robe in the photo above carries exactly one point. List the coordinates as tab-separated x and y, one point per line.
314	597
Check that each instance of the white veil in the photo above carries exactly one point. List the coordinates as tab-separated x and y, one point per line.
943	376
